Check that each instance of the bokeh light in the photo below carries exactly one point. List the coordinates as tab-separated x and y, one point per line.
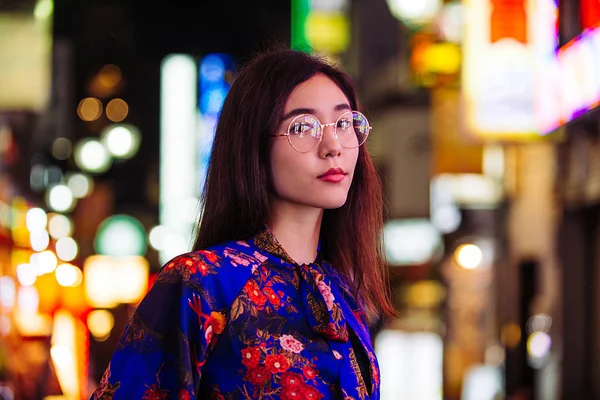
26	274
7	292
109	76
36	219
415	13
121	236
122	141
44	262
117	110
39	240
91	156
59	226
89	109
538	344
100	323
68	275
59	198
66	249
36	177
43	9
81	185
468	256
62	148
53	175
157	237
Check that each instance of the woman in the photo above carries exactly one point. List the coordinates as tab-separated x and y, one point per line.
287	272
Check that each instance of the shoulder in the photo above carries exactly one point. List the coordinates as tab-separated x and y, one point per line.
218	273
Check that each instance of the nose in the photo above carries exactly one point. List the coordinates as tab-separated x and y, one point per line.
330	145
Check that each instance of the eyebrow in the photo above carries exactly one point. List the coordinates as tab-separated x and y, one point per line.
299	111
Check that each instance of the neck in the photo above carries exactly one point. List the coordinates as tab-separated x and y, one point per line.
297	229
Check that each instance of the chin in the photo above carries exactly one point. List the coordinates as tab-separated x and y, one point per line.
332	203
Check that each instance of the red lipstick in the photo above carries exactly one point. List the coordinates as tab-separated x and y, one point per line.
333	175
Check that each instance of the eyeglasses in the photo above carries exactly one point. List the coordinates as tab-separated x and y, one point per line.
305	132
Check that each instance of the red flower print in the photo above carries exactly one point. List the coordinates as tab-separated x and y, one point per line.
309	373
258	376
309	392
251	357
291	380
272	297
291	393
184	395
277	363
255	294
210	256
203	268
169	266
154	393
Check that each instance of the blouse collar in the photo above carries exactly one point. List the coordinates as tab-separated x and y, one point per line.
324	314
266	241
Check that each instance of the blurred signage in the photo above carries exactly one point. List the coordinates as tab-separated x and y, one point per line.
508	19
589	14
411	242
571	81
25	56
505	41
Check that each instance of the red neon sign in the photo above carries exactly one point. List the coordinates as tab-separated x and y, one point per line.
509	20
589	14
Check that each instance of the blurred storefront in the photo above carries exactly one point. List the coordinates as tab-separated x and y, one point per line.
577	73
478	73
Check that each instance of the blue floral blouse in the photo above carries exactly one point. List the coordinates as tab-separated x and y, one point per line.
242	320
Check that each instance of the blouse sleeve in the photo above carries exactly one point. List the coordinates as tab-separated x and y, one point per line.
165	344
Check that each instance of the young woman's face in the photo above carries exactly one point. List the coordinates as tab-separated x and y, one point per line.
319	177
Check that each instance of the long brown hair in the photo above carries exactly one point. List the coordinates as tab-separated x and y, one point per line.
236	192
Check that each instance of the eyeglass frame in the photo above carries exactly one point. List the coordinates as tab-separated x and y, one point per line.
332	124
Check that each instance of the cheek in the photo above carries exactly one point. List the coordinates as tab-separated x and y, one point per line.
352	161
287	170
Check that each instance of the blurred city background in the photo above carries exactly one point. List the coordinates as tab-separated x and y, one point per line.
485	135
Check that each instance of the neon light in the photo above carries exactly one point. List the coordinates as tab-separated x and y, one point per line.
300	11
178	178
214	85
589	14
576	74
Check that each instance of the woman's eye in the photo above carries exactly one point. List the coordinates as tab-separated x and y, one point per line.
300	128
344	124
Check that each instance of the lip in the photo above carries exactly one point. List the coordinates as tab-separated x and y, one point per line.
333	175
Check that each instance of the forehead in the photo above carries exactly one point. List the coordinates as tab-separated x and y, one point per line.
318	92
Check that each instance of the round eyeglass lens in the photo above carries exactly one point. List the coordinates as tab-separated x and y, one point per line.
304	133
352	129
